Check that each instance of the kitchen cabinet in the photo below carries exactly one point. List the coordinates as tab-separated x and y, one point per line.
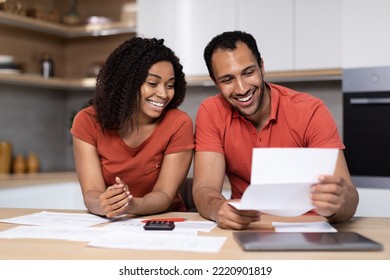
318	41
271	23
43	190
47	196
373	202
366	42
186	26
297	39
294	35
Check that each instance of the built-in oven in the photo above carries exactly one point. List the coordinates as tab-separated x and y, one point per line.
366	125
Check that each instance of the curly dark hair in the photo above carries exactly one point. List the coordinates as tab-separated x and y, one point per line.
118	86
228	41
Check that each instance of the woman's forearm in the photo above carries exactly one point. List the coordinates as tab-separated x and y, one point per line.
153	202
93	204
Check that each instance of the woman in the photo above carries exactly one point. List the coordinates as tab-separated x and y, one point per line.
133	147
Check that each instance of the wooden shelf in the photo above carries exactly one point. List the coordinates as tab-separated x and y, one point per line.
54	83
282	77
63	30
314	75
89	83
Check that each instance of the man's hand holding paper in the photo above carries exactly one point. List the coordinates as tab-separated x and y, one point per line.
282	179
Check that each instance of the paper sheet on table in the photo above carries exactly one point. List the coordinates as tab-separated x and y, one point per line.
303	227
83	234
45	218
281	179
156	241
186	226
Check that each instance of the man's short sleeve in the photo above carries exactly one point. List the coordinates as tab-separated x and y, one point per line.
209	128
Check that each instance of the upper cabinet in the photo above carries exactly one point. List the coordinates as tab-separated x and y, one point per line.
366	40
293	36
271	23
318	34
186	26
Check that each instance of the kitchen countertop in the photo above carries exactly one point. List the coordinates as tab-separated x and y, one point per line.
20	180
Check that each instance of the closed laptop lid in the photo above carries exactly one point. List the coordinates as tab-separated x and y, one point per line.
306	241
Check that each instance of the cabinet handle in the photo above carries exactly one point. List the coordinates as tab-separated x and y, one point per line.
370	101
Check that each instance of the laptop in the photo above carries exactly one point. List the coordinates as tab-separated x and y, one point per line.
306	241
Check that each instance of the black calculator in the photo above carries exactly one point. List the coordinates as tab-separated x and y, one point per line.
159	225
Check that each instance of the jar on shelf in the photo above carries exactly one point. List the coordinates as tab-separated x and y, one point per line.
19	164
5	157
47	65
32	163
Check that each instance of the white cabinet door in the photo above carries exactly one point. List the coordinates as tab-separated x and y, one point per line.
373	203
366	33
46	196
318	41
271	23
186	25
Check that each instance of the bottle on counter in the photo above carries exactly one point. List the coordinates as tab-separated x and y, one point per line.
32	163
47	66
5	157
19	164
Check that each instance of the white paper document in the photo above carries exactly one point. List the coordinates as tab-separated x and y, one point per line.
82	234
156	241
45	218
281	179
303	227
137	225
202	226
185	227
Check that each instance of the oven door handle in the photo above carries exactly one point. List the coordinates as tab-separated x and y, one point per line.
370	101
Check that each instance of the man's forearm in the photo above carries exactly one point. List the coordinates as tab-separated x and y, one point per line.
208	201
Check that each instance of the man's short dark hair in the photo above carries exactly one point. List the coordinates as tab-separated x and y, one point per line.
228	41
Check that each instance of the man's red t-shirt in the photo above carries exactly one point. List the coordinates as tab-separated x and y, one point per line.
296	120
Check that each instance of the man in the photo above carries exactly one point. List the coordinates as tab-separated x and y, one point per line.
250	113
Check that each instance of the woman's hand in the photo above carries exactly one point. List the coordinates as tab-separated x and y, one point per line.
115	200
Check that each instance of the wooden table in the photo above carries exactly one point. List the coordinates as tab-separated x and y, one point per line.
377	229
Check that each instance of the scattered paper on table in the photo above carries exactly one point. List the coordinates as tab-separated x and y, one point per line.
156	241
124	234
186	226
45	218
202	226
83	234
